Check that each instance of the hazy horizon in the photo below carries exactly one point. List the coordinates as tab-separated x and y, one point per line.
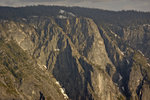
116	5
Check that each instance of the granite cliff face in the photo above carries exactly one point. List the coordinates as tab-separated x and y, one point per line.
71	49
135	36
69	57
21	78
131	64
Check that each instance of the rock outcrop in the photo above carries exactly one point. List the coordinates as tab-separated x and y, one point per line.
66	56
132	66
21	78
71	49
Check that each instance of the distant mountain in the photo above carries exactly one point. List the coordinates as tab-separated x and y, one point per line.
56	53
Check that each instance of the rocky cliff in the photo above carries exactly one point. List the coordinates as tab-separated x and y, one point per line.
71	49
21	78
65	56
132	65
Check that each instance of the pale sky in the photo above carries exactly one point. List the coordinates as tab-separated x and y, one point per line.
140	5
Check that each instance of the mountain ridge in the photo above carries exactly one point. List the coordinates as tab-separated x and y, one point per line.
90	59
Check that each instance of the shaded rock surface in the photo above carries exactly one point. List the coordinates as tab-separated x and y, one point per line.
72	49
21	78
132	65
70	57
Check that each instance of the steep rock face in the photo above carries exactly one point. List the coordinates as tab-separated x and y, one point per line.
120	56
22	79
72	49
138	37
139	77
85	36
132	65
